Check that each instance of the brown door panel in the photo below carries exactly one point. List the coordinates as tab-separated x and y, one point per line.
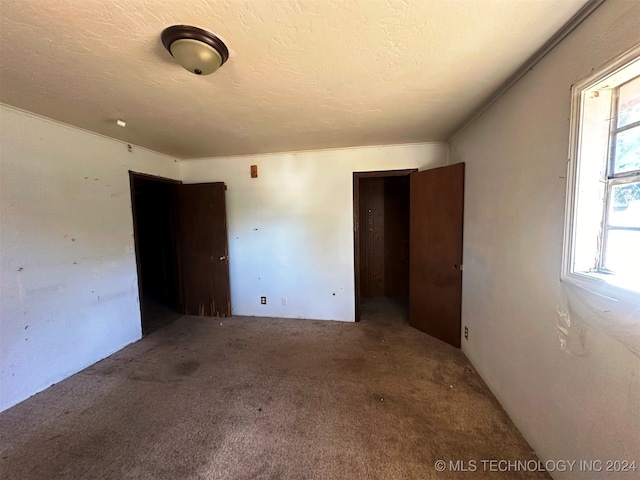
435	273
204	249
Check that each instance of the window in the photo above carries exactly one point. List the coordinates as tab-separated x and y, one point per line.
602	241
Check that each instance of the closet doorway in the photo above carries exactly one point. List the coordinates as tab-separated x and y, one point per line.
381	207
408	248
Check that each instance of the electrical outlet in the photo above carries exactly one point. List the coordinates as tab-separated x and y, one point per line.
284	302
466	332
263	300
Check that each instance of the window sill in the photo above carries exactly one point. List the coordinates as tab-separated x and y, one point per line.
614	287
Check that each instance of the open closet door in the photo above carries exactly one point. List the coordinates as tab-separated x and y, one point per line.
435	272
202	235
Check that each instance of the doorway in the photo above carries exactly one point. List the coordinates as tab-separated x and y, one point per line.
155	233
408	248
381	211
182	253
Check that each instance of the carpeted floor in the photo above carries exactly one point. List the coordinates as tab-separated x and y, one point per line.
265	398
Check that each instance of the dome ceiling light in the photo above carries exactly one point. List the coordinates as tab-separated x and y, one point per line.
197	50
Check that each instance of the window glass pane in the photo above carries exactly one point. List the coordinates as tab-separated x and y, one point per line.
629	103
627	151
623	252
624	206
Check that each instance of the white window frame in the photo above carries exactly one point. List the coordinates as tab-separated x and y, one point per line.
596	280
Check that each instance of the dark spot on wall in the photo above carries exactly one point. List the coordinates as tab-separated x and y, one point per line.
20	269
73	239
26	326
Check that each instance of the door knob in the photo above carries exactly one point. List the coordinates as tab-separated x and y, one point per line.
223	258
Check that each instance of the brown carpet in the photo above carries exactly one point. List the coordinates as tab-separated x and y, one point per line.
265	398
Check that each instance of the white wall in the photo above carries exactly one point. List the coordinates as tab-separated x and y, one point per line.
68	284
291	229
567	406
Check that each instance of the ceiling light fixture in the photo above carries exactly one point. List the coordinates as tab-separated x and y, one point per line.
197	50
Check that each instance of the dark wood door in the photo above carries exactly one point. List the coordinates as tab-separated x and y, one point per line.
204	249
435	271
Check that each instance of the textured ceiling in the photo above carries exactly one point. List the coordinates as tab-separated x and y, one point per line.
302	74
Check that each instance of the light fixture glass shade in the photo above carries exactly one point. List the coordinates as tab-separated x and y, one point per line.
196	56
